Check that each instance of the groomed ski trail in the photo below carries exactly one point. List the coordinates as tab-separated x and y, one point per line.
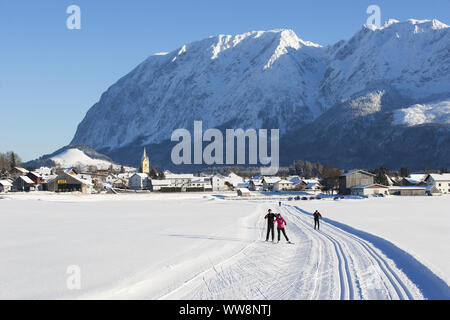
325	264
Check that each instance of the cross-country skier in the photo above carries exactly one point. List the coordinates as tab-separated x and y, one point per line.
279	203
317	216
280	227
270	219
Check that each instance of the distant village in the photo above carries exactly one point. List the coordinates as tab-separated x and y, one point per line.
360	183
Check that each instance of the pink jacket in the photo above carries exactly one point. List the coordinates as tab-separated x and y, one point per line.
280	223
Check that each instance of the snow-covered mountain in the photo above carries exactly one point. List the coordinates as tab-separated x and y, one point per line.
274	79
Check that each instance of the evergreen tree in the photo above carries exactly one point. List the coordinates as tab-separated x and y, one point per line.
404	172
380	176
153	173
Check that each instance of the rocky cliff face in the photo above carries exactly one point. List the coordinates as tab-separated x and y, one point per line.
337	104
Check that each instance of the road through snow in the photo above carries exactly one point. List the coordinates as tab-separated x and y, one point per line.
326	264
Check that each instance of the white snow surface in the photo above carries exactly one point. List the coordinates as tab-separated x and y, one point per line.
438	112
198	246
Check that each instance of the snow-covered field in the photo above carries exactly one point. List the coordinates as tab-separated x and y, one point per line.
198	246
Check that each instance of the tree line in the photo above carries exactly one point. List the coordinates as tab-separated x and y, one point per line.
9	160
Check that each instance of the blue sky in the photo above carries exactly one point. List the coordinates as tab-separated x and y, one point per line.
50	76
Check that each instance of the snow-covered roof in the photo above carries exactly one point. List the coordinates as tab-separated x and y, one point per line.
407	188
364	186
256	182
243	190
440	177
413	181
284	182
5	183
25	171
80	179
161	182
271	179
179	176
356	171
312	184
242	185
417	176
26	179
37	175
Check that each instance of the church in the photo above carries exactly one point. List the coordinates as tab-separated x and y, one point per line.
145	163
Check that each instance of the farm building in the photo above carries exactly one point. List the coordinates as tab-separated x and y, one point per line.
282	185
139	181
65	182
243	192
269	182
440	181
407	191
156	185
23	183
5	186
369	189
255	185
353	179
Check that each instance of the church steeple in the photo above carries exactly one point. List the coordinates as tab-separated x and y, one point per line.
145	163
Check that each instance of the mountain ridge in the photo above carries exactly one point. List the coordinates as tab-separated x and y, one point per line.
274	79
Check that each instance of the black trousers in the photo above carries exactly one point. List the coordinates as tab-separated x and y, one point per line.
316	223
284	233
270	228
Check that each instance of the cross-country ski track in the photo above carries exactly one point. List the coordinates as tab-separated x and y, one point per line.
326	264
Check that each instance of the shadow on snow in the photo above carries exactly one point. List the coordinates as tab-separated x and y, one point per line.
431	286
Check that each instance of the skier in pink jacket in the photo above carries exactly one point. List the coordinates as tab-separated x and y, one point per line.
281	223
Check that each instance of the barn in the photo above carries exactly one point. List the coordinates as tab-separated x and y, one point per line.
369	189
407	191
23	183
354	178
66	182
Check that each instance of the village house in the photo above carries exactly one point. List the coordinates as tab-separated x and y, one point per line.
440	181
5	186
17	172
282	185
354	178
255	185
65	182
139	181
312	185
369	189
268	183
218	183
36	177
23	183
408	182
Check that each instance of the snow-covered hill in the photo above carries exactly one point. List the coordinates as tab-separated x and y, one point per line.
76	157
274	79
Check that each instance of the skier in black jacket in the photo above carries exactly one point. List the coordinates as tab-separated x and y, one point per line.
270	226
